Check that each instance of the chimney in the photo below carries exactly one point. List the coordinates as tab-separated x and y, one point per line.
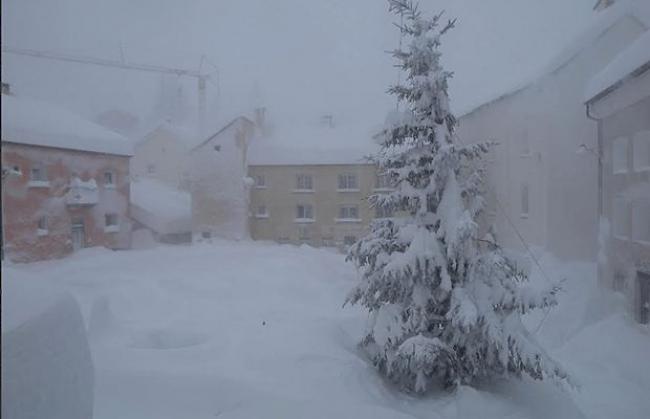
6	88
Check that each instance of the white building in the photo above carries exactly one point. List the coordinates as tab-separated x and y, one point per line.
538	182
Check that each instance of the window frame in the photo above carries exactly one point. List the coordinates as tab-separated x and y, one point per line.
641	140
344	183
622	155
258	184
113	179
305	215
41	180
304	183
42	228
111	227
345	213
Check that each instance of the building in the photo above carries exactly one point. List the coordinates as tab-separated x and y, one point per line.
163	153
219	187
310	184
539	186
67	183
618	97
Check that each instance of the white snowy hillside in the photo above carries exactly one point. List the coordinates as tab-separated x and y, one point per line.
253	330
33	122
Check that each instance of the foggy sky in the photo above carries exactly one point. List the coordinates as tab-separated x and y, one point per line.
300	58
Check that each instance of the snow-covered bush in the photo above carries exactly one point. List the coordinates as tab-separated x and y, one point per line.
444	309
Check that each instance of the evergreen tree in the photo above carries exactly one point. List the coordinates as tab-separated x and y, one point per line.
444	309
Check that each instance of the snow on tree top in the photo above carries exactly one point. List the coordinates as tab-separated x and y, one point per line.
314	144
32	122
626	63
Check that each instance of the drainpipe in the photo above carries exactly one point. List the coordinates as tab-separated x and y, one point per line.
600	158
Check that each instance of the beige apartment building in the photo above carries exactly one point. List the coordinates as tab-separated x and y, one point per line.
311	185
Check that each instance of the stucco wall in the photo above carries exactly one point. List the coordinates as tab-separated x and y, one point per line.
23	204
624	255
280	198
548	117
164	152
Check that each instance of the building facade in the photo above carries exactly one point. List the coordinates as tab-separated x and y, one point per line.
619	98
66	185
320	205
219	187
540	187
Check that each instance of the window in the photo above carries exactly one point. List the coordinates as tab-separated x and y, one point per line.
619	155
111	223
643	280
641	151
383	181
349	240
348	181
305	212
349	212
304	183
261	212
42	226
641	221
260	182
619	217
109	179
525	200
151	169
38	174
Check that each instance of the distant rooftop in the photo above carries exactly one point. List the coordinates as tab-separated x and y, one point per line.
32	122
327	142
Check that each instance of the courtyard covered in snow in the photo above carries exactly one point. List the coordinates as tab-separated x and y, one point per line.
251	329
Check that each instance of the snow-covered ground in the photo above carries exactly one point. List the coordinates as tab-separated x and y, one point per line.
252	330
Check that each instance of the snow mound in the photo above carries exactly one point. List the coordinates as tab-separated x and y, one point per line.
32	122
47	371
167	339
160	207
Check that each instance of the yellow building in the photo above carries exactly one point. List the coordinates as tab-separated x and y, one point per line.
311	185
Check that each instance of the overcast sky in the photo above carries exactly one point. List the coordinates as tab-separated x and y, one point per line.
305	57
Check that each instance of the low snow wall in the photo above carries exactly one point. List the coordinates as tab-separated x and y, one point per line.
47	370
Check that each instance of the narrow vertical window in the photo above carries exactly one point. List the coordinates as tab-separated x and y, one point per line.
525	200
260	182
109	179
641	150
42	226
619	155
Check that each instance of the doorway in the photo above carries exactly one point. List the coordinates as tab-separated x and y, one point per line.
78	234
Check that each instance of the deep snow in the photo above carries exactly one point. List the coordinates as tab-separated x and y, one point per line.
250	330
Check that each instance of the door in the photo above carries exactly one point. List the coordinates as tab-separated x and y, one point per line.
78	234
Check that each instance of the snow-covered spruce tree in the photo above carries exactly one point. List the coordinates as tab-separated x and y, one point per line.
444	308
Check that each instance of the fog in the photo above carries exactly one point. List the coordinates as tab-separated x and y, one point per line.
433	210
301	58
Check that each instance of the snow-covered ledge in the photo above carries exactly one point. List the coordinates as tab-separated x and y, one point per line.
112	229
38	184
349	190
348	220
304	220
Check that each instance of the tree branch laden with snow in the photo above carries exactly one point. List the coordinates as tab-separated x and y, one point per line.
444	310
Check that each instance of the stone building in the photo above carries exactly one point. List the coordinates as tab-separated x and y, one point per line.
65	182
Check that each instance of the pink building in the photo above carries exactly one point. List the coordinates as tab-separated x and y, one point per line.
65	182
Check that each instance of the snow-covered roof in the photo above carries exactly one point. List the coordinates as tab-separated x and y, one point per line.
597	25
314	144
628	62
186	136
32	122
166	209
